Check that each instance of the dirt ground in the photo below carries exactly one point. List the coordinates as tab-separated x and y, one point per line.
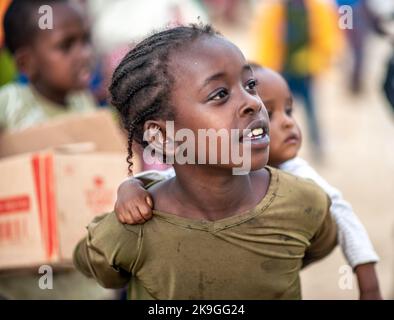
358	136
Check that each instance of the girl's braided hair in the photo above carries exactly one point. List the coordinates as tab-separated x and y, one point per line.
141	84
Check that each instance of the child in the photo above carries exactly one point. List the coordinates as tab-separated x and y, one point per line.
214	235
56	62
134	203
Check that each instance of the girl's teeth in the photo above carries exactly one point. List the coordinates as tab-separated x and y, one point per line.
257	131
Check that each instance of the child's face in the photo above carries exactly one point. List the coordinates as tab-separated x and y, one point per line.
284	132
60	59
215	88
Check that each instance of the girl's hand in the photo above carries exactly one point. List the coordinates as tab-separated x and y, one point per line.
133	204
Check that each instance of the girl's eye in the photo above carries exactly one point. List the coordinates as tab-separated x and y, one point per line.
269	114
289	111
251	84
221	94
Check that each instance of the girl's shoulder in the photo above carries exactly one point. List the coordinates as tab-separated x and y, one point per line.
289	183
295	189
108	225
161	193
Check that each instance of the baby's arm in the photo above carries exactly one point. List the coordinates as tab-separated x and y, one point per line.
356	247
107	253
134	203
352	236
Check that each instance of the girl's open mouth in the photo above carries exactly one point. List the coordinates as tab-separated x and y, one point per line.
257	134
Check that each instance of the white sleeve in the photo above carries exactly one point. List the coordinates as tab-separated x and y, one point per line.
156	174
352	236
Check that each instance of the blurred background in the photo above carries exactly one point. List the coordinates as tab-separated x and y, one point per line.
339	68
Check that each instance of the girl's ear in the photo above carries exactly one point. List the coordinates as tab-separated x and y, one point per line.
156	135
25	63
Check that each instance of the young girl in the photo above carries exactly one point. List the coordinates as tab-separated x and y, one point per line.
134	203
213	235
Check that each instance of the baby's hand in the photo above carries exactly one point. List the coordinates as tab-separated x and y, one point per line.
133	204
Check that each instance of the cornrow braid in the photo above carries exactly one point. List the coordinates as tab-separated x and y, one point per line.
141	84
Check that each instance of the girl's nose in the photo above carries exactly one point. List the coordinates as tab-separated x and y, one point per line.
251	105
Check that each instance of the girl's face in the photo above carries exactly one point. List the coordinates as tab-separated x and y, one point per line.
284	132
215	89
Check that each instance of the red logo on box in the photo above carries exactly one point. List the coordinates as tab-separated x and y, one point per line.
99	198
15	204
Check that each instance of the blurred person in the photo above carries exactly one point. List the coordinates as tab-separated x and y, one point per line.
298	38
388	85
382	13
56	62
134	204
357	36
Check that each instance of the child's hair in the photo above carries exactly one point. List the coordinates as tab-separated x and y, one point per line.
141	84
21	22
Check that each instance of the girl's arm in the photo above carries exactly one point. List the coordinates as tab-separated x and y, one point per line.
108	252
323	241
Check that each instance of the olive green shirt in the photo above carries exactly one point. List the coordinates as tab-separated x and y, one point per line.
254	255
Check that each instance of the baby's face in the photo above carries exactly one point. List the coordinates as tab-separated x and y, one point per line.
284	131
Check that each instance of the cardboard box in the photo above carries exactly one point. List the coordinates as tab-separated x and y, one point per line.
46	201
98	128
55	178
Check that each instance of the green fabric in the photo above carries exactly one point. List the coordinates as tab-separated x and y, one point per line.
8	70
21	106
254	255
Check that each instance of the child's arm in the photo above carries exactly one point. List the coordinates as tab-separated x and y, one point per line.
108	252
368	283
356	246
134	203
352	236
